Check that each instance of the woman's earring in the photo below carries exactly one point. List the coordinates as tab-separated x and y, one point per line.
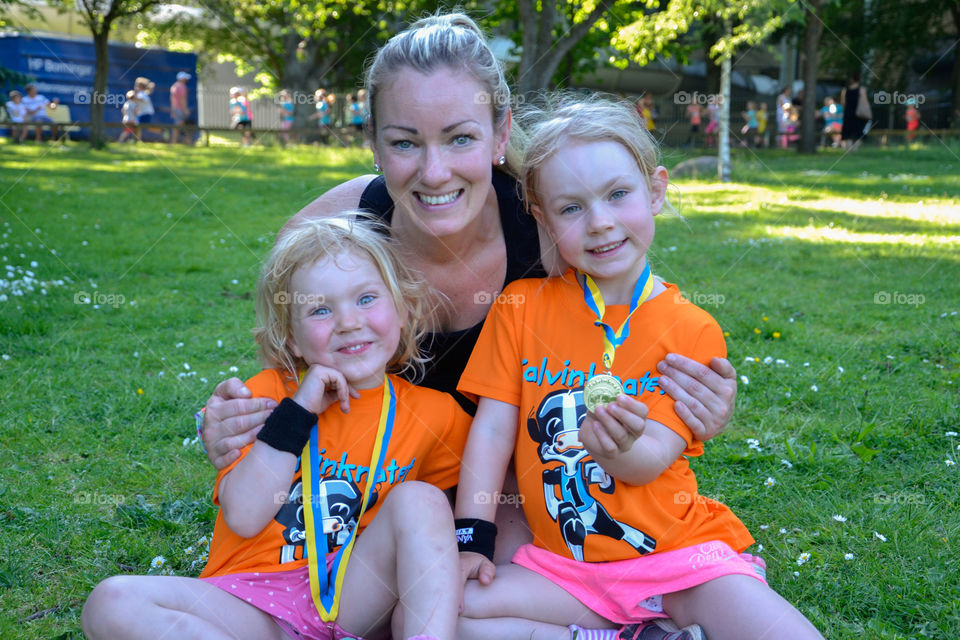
501	160
376	167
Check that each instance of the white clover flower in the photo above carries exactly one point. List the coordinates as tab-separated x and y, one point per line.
796	574
764	527
219	343
788	394
745	380
806	364
186	441
848	556
781	361
759	548
804	557
814	387
186	366
951	434
879	536
748	359
786	463
767	360
770	482
782	530
753	442
840	369
234	369
158	562
839	518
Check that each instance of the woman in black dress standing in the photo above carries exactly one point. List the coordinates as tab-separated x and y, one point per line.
853	125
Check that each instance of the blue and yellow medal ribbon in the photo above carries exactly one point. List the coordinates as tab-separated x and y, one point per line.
594	299
326	590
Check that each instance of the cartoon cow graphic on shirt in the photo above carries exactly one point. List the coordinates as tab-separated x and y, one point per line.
555	425
341	499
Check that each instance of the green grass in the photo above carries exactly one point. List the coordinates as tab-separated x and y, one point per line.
98	473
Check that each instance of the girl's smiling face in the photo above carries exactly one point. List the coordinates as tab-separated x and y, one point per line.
344	317
596	205
436	143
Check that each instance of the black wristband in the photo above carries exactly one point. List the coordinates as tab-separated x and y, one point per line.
288	427
478	536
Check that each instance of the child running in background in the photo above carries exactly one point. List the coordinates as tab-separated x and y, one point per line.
241	117
130	117
763	117
713	120
344	458
621	535
912	118
287	116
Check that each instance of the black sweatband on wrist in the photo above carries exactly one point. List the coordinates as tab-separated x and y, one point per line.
478	536
288	427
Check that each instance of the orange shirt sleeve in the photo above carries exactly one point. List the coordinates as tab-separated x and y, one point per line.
494	369
442	465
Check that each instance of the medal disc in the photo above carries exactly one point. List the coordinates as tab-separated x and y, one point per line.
600	390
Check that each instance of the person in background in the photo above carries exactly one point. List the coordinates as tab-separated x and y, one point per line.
144	87
763	117
17	112
131	123
287	116
179	111
912	117
241	117
832	115
783	117
713	119
37	105
694	115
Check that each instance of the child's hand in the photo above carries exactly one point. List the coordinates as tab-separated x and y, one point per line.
476	566
321	387
613	428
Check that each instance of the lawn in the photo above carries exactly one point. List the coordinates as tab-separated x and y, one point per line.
126	282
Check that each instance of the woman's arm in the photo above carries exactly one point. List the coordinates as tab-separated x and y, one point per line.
705	397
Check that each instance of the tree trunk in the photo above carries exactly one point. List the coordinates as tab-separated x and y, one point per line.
954	118
723	147
101	38
811	43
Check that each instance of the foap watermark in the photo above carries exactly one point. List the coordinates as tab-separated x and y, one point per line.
685	97
685	497
885	97
95	97
98	298
489	297
485	497
701	298
485	97
898	297
296	297
296	97
899	497
87	497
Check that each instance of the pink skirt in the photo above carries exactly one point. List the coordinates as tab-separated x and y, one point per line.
286	596
629	591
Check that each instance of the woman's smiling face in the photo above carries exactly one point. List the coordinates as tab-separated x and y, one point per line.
436	143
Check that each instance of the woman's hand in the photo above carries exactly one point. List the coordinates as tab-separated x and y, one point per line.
705	397
232	420
613	428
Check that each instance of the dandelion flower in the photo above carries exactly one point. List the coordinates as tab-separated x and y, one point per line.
756	330
726	334
770	482
776	334
804	557
765	318
139	392
879	536
848	556
839	518
158	562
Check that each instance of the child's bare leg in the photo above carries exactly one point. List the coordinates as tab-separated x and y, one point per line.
738	607
407	558
507	628
150	607
517	592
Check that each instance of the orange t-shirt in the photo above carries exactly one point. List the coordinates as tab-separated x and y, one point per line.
429	433
537	354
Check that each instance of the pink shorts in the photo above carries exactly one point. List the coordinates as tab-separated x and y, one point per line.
628	591
285	595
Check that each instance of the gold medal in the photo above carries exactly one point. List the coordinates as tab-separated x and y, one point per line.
600	390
